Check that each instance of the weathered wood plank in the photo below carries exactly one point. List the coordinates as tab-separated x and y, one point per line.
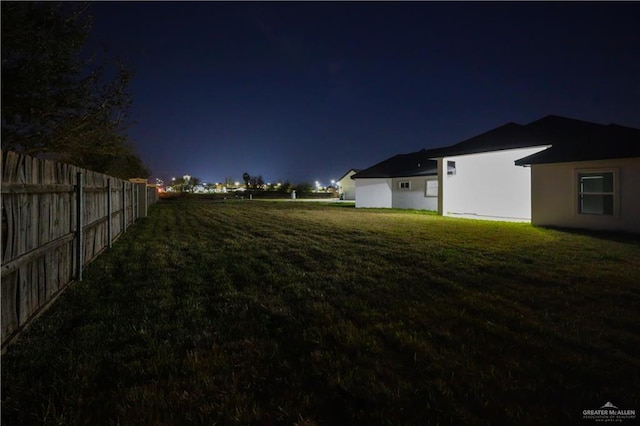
49	277
34	188
34	214
7	228
8	312
44	226
34	287
24	294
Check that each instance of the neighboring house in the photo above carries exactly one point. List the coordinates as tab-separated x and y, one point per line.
346	185
582	174
405	181
555	171
485	181
589	180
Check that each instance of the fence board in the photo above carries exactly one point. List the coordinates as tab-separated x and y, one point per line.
39	227
24	294
8	313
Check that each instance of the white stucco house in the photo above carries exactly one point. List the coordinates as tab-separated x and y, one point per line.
486	183
347	186
555	171
404	181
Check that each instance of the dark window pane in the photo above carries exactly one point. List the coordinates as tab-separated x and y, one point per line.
591	183
591	204
607	182
607	204
596	182
596	204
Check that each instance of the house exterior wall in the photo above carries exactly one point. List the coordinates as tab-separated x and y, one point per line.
487	185
415	196
554	195
347	186
373	192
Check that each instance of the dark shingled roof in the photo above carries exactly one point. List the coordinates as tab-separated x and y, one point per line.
508	136
570	140
401	165
575	140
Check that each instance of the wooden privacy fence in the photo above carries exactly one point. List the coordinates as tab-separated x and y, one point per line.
56	218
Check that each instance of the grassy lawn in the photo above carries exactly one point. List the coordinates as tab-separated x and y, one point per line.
257	312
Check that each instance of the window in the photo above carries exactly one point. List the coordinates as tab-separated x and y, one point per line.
595	193
431	188
404	185
451	167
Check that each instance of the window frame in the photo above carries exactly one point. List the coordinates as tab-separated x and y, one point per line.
451	164
402	182
614	193
426	188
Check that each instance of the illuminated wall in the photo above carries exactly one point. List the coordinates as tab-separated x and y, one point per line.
555	197
487	184
373	192
414	197
348	186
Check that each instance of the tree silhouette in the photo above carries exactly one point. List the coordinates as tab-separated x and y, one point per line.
304	188
257	182
56	102
180	184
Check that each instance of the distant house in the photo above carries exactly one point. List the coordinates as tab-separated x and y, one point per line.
405	181
346	185
555	171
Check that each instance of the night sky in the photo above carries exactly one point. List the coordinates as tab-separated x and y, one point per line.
305	91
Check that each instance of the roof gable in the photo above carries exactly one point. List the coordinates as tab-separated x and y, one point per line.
347	173
401	165
507	136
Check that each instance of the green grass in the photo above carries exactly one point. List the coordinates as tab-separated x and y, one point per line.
265	313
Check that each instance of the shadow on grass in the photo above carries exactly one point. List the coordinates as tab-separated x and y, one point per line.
343	205
616	236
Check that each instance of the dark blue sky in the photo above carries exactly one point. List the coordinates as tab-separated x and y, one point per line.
306	91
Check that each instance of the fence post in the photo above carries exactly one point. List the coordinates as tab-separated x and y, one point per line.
79	242
109	230
124	207
134	200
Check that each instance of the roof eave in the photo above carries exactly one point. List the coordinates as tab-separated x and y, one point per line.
532	161
452	153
